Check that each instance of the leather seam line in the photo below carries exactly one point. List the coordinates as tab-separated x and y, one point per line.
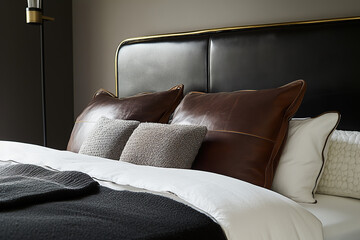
208	64
243	133
296	99
174	104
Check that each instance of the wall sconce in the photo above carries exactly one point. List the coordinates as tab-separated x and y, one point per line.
34	15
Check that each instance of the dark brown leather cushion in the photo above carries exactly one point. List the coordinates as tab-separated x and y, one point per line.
145	107
246	129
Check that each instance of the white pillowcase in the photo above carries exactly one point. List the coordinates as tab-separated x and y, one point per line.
302	159
342	171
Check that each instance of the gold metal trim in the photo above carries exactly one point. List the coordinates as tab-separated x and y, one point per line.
34	16
46	18
102	90
140	39
116	71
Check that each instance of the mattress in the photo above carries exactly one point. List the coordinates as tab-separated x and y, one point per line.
340	216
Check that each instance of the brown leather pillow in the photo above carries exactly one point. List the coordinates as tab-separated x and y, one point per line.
146	107
246	129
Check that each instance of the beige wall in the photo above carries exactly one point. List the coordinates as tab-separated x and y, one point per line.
99	26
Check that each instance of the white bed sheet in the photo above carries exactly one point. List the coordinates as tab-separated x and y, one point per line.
340	216
243	210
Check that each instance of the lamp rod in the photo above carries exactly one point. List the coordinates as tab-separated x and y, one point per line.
43	96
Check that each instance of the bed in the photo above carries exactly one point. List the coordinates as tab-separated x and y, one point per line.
241	89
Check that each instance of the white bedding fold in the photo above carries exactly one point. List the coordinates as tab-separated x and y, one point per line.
243	210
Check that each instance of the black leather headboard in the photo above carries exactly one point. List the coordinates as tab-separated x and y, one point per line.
325	53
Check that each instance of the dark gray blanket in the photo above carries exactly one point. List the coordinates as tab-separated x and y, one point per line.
108	214
24	184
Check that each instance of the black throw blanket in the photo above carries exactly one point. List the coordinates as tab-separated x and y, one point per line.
25	184
109	214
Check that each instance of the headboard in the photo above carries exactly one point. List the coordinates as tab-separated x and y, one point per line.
325	53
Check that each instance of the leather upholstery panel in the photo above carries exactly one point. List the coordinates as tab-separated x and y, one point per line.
157	66
238	120
326	56
147	107
249	153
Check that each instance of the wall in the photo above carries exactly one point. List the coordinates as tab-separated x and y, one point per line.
99	26
20	98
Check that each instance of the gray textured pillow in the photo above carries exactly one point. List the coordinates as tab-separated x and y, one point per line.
108	138
164	145
341	175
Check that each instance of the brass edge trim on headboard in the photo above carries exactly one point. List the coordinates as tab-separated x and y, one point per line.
138	39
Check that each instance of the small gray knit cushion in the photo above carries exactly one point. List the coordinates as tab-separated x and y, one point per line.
164	145
108	138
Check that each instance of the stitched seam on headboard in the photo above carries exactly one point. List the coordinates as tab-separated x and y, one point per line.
208	65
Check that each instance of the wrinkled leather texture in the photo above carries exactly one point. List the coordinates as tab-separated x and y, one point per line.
146	107
246	129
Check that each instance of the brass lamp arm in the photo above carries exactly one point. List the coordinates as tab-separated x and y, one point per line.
48	18
34	16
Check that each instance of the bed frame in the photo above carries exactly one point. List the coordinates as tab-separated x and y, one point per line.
325	53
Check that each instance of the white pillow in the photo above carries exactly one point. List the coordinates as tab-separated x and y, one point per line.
342	171
302	160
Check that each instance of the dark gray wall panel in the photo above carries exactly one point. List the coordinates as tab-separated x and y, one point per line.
20	100
59	72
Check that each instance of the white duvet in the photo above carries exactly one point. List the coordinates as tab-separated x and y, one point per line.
243	210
